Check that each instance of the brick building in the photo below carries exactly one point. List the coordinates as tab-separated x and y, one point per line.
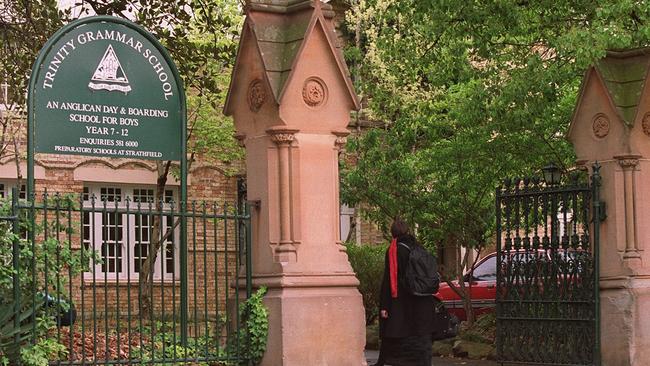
112	214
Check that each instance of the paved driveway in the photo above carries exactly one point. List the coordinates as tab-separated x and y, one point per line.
371	356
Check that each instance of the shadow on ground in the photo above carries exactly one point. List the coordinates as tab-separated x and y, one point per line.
371	356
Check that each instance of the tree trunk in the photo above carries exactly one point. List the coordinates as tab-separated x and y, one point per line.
155	239
465	291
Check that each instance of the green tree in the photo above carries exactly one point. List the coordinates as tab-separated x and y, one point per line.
22	34
469	93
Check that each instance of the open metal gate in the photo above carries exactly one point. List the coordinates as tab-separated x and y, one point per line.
547	278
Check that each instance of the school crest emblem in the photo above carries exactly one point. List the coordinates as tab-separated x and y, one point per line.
109	74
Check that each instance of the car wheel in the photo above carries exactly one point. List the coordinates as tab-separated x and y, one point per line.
454	325
446	324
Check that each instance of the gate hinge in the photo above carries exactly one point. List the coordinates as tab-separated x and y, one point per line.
602	211
256	204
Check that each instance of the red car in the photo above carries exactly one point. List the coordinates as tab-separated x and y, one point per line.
482	287
483	281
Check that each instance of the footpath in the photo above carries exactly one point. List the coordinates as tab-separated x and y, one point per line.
371	356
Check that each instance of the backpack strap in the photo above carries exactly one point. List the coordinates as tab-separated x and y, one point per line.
404	245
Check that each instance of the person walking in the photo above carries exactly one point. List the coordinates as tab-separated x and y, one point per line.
406	321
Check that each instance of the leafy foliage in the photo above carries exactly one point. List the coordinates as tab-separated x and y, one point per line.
465	94
368	264
42	353
165	344
482	331
248	344
253	338
25	317
486	91
25	26
212	133
200	35
16	325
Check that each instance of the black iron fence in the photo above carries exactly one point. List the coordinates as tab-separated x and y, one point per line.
547	282
123	280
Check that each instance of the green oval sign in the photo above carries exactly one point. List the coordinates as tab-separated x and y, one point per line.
103	86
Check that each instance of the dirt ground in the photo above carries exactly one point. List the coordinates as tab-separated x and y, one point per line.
371	356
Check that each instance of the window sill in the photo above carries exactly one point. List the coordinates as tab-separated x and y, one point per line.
123	282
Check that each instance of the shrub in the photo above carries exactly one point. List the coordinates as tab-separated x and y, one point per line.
482	331
368	263
34	319
255	328
42	353
15	327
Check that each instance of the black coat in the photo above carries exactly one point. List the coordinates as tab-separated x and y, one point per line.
408	315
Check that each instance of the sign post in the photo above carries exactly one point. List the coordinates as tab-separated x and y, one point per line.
103	86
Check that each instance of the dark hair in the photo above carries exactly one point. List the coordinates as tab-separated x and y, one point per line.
398	228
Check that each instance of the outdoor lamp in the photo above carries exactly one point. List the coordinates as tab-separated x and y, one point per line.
552	174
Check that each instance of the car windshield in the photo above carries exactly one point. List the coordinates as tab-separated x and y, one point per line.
565	261
527	256
487	270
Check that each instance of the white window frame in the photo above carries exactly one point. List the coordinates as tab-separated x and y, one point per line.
7	184
127	231
4	94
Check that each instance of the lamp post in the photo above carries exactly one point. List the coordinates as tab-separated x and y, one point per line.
552	177
552	174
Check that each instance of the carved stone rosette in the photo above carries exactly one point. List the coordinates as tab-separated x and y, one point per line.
600	125
645	124
314	92
256	95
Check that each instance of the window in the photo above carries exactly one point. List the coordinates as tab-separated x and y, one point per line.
112	242
143	195
6	187
122	238
169	196
143	232
110	194
8	95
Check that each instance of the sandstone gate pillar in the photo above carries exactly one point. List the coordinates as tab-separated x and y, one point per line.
611	125
291	98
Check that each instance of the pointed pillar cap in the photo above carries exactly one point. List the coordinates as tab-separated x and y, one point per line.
288	6
280	40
